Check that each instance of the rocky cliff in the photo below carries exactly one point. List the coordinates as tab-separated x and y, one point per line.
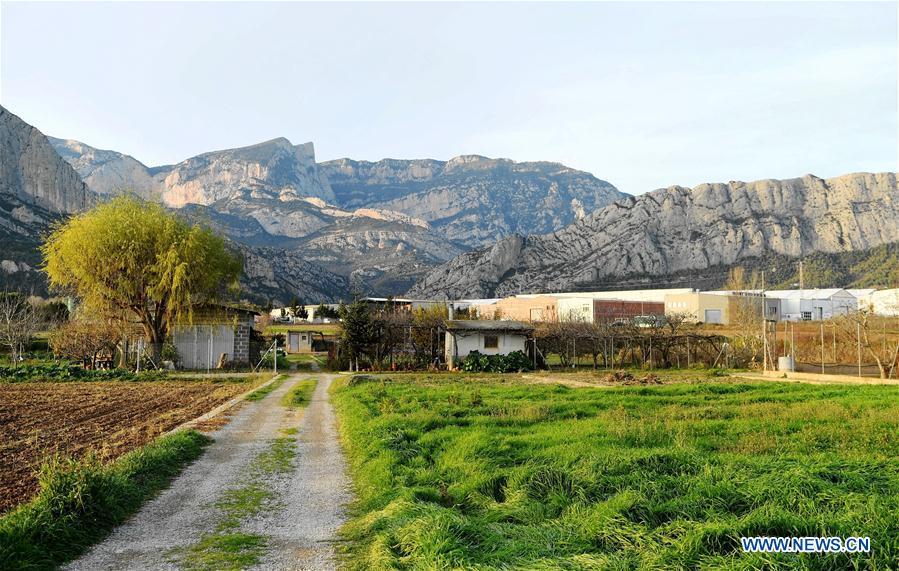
108	172
677	229
470	199
33	175
275	169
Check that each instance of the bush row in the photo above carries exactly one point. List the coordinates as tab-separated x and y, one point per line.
67	371
476	362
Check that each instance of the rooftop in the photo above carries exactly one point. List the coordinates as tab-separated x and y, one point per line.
487	325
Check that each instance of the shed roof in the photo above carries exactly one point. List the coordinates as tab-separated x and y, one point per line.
488	325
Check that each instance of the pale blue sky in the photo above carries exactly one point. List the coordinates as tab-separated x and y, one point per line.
643	95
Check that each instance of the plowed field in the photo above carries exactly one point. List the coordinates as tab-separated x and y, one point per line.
39	419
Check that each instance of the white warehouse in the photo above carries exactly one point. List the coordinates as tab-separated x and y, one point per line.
813	304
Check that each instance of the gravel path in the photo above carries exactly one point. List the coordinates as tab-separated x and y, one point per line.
300	534
299	530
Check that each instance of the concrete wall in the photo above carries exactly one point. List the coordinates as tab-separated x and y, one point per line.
537	308
701	307
459	344
577	309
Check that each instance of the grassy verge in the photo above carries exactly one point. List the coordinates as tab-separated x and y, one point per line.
494	474
80	501
260	394
300	394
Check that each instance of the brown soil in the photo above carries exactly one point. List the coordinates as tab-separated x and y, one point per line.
40	419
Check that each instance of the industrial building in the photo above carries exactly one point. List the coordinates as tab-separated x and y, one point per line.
813	304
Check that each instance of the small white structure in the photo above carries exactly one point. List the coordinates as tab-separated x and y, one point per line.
300	341
485	336
882	302
813	304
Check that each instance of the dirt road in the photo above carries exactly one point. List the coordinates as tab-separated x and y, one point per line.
295	526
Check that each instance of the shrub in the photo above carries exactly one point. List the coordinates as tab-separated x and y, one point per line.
476	362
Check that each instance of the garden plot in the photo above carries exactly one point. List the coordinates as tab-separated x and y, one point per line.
40	419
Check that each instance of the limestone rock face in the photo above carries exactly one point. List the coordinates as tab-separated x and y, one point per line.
274	169
277	275
32	175
472	200
108	173
676	229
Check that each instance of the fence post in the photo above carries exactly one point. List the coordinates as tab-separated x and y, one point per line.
822	347
858	345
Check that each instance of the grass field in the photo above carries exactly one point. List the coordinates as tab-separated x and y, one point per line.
495	474
326	328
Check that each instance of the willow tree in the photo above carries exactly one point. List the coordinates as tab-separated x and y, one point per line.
135	260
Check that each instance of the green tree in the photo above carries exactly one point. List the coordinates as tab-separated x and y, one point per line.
358	332
134	260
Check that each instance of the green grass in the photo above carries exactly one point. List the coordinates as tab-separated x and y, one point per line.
80	501
307	361
263	392
224	552
493	474
326	328
300	394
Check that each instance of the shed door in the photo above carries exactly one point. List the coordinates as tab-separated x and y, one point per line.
713	316
294	342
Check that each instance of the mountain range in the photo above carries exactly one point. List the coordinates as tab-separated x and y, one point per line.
695	234
372	227
471	226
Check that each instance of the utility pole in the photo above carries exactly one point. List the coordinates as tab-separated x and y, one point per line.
801	280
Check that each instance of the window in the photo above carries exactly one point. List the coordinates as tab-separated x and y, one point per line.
491	342
806	315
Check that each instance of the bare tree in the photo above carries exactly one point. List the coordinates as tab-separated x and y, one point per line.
86	340
864	327
19	322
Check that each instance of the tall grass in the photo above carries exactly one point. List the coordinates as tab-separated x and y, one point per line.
493	475
80	501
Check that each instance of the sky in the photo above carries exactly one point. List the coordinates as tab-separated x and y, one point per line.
643	95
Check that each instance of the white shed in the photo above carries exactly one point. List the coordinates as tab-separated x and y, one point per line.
486	336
